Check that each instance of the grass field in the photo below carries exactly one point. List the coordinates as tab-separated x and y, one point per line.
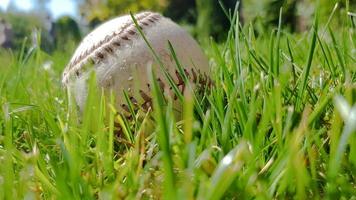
279	123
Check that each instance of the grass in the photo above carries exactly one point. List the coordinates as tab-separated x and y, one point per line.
279	123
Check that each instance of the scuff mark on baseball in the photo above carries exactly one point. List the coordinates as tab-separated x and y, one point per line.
120	56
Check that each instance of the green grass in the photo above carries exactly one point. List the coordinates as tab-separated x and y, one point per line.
279	123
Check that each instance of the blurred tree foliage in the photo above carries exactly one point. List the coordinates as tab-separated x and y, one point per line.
26	25
33	28
207	14
182	10
212	21
289	13
97	11
297	15
203	17
66	32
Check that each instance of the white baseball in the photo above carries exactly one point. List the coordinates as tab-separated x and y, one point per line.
120	56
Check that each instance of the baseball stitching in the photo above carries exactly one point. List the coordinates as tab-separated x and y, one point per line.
98	52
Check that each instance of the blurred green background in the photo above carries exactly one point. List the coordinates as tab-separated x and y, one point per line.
203	18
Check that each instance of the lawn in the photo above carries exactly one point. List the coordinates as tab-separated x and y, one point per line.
279	122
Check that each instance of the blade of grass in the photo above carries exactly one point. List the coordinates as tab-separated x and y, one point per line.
307	68
163	139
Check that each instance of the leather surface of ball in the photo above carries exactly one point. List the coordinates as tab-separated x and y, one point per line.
120	56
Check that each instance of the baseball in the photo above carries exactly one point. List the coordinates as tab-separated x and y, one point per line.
120	57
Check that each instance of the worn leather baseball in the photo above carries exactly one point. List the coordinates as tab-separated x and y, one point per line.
120	56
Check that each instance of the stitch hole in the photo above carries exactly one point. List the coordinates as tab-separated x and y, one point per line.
117	43
99	55
109	49
124	37
131	32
